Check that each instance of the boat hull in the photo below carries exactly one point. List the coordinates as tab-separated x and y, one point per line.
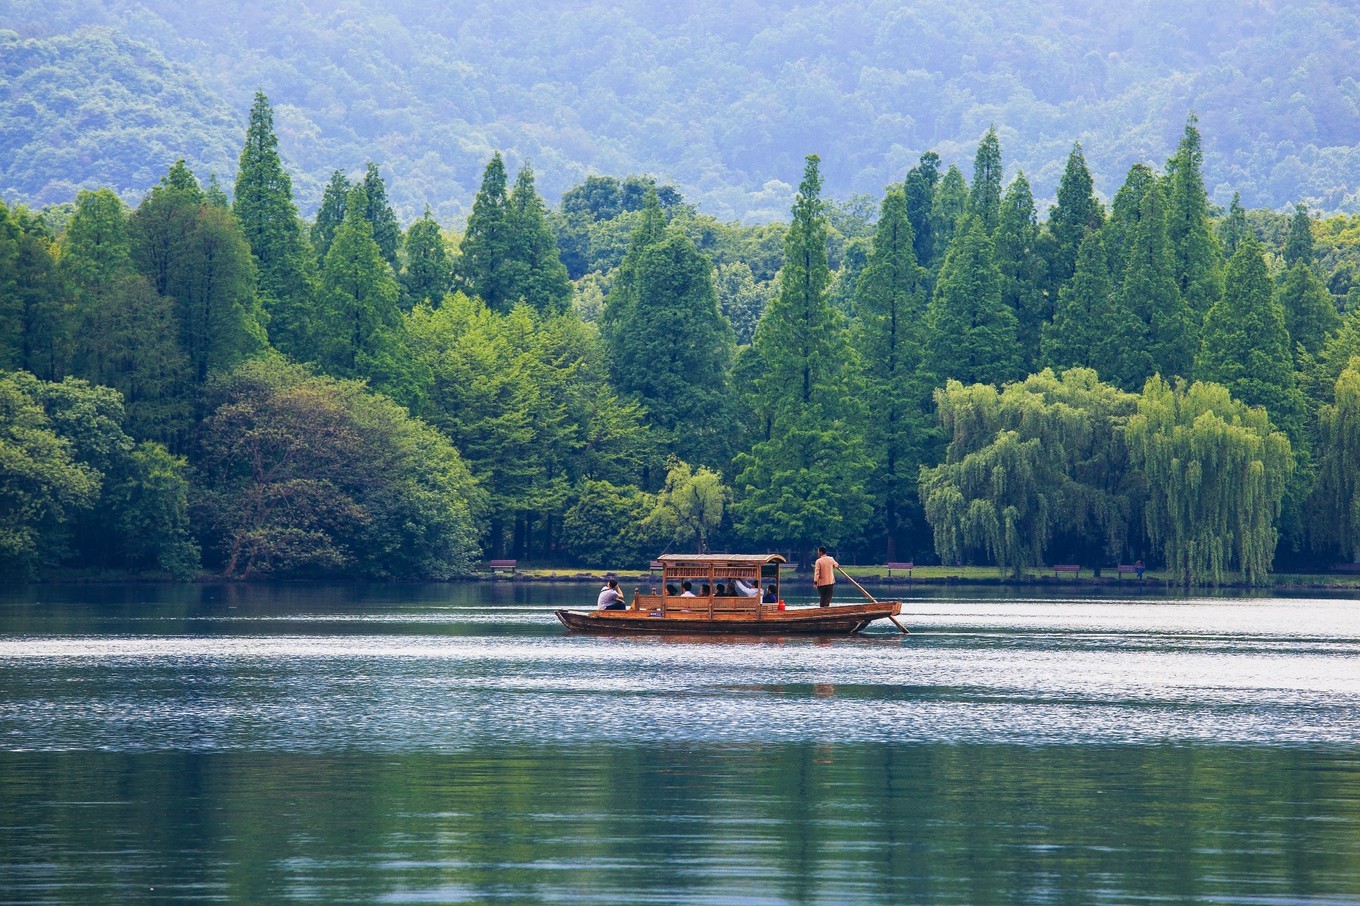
835	620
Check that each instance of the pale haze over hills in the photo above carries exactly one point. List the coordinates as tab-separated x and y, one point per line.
724	99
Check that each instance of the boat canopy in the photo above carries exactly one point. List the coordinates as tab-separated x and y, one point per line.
720	559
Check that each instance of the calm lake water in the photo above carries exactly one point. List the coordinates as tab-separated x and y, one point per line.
443	743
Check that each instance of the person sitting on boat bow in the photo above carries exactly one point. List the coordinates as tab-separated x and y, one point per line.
610	599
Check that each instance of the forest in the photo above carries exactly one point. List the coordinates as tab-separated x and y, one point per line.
209	382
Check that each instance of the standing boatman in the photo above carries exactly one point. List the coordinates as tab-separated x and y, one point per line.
824	576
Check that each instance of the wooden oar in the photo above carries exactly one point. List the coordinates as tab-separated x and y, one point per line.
872	599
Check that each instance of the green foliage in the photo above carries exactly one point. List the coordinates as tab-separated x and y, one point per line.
984	199
1076	214
304	474
603	528
1216	473
805	480
536	273
1022	266
1196	258
689	508
973	333
263	204
1309	312
42	481
1246	347
1334	507
1149	289
741	298
35	321
75	489
360	330
1040	459
1298	246
330	215
428	274
485	252
380	216
889	334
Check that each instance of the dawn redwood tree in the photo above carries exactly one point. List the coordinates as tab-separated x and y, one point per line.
889	333
362	331
1245	346
428	274
1149	290
673	350
973	334
805	482
330	215
35	316
984	199
1125	212
482	267
1233	228
1310	315
947	210
1076	214
919	188
1018	257
1197	261
1092	328
263	204
536	271
379	214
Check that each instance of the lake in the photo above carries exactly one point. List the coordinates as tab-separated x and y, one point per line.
453	743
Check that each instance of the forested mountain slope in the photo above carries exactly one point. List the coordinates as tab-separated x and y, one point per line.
723	98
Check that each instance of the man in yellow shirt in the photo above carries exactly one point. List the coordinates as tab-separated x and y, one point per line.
824	576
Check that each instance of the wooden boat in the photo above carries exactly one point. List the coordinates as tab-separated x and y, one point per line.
665	609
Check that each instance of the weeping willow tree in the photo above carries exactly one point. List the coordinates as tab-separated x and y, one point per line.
1216	472
1335	502
1040	458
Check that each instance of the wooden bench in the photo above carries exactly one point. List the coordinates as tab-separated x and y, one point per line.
1127	568
502	566
906	567
1073	568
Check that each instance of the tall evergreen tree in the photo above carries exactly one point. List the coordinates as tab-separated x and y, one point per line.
1197	261
1245	345
428	273
674	351
973	332
386	233
127	335
1076	214
1124	216
1298	244
620	307
331	214
481	269
1309	312
890	335
1234	227
919	187
946	211
1022	268
984	200
263	204
358	314
35	328
1149	290
805	482
537	273
1090	328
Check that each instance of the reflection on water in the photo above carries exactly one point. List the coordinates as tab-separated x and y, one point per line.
433	744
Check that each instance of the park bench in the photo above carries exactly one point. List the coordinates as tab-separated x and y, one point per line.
502	566
905	567
1073	568
1123	568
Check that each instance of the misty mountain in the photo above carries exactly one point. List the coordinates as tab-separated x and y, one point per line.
722	98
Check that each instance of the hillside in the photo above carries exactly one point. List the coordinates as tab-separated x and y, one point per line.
724	99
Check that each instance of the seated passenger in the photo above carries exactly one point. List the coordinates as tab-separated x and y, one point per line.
609	598
705	591
671	590
771	595
722	590
746	591
688	589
